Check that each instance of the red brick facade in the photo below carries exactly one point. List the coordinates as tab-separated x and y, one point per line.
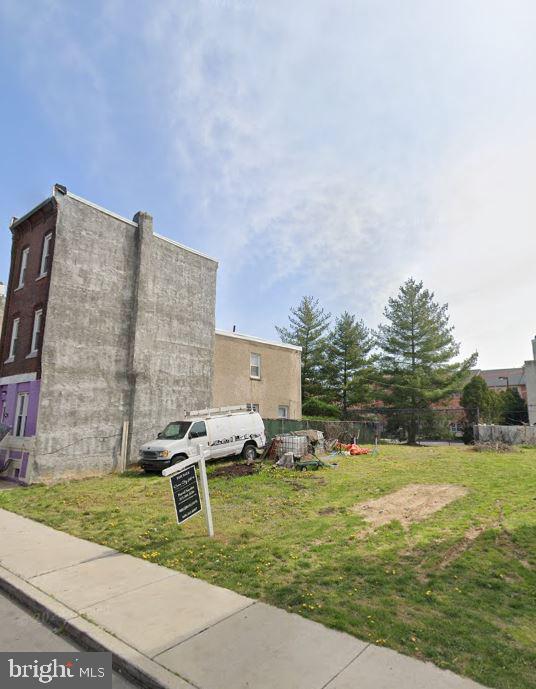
23	302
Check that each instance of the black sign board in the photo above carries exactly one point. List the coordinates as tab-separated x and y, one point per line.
186	494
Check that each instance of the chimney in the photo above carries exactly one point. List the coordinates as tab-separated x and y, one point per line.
534	349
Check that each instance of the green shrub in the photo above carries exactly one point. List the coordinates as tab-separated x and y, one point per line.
317	407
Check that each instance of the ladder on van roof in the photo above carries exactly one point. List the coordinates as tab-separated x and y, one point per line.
218	410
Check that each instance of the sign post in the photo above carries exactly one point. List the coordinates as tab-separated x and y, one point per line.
185	489
206	496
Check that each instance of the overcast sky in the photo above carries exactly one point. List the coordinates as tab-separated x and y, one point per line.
316	147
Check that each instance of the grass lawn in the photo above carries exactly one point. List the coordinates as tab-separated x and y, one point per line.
458	588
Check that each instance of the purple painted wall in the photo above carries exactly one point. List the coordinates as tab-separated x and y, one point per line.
8	393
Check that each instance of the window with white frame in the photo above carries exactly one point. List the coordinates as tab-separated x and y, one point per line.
14	339
45	255
23	266
254	365
282	411
252	406
21	415
36	332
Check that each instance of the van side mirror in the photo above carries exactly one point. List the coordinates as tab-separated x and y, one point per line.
190	435
159	435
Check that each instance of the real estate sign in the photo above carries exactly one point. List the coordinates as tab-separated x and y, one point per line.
186	496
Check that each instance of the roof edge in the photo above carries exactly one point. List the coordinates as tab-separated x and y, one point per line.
99	208
186	248
260	340
18	221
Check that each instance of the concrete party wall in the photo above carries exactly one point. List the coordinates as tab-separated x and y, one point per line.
530	377
85	391
173	357
512	435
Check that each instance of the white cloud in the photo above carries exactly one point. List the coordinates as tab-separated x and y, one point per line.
482	248
333	147
347	147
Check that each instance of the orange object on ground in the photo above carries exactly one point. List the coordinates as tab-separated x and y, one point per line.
354	449
357	450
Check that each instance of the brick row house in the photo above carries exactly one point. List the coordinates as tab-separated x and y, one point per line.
22	331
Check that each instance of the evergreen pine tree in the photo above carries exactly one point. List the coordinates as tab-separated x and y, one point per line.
478	401
348	363
417	354
308	325
514	411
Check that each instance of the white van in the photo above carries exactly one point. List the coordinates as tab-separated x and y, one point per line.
224	434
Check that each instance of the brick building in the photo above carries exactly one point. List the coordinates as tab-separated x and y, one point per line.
107	327
2	303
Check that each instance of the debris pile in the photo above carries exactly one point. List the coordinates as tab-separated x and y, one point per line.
298	450
315	438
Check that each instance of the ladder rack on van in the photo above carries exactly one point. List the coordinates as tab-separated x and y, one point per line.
218	410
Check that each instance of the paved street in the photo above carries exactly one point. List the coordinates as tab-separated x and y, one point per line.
22	631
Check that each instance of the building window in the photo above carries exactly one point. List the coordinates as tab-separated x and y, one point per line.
36	332
251	406
21	414
45	255
23	266
14	339
198	430
282	411
255	365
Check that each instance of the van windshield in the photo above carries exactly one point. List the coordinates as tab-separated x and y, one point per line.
175	430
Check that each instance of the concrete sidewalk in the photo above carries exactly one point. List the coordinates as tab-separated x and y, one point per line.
166	629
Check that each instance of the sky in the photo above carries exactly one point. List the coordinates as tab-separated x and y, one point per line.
324	147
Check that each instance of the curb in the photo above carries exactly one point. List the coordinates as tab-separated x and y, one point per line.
127	660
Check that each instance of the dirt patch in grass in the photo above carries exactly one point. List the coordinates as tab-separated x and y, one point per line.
410	504
454	552
233	470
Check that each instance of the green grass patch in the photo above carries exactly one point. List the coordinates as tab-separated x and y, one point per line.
292	539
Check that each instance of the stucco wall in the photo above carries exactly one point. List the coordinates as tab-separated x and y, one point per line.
280	382
85	389
174	347
130	331
512	435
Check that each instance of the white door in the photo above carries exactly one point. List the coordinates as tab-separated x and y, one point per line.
197	436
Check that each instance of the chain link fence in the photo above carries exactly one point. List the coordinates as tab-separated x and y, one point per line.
445	425
345	431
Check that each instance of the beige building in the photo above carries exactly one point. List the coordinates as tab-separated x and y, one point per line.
265	375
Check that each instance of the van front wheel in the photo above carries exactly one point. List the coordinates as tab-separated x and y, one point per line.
249	453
